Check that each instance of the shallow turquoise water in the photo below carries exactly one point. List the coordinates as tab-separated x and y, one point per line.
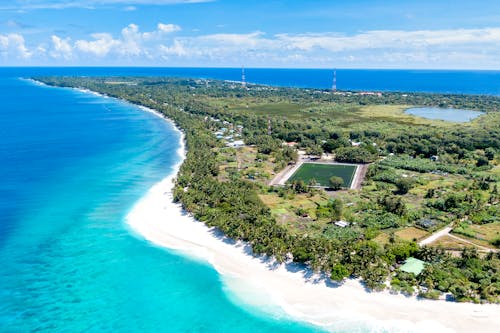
448	114
72	166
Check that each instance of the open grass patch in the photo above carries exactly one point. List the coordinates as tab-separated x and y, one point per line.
322	173
451	243
411	233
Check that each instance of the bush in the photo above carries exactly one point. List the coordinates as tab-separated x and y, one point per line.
404	185
336	183
496	242
339	272
354	155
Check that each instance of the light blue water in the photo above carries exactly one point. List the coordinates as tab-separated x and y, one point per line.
72	165
448	114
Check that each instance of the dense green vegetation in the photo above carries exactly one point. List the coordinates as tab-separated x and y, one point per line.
400	191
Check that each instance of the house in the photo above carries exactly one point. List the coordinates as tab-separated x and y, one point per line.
413	265
341	224
355	144
427	223
236	144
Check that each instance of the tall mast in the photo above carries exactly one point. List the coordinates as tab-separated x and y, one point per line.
334	85
243	82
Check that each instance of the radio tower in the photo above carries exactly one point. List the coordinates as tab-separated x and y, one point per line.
334	85
243	82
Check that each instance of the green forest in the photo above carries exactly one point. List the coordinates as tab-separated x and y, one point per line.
421	175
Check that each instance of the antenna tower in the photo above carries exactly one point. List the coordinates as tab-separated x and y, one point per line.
334	85
243	82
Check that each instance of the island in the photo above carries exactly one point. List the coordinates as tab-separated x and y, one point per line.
344	182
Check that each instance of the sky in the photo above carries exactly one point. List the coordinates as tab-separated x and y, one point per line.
421	34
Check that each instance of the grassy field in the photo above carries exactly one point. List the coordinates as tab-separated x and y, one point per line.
411	233
322	173
451	243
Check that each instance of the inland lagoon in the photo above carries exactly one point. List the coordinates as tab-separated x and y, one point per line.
446	114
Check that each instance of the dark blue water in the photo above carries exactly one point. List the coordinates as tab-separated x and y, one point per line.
72	165
437	81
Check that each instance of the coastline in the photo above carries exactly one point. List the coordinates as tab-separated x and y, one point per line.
297	292
301	294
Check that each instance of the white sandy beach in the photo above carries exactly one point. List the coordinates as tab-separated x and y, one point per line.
164	223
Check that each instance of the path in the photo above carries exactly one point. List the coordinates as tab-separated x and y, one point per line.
359	176
446	232
483	248
286	173
435	236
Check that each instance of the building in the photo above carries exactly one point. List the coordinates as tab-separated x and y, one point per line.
236	144
413	265
342	224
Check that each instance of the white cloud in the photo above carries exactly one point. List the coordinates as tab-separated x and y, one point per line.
399	39
100	46
177	49
168	28
14	44
131	43
89	4
460	48
252	39
61	48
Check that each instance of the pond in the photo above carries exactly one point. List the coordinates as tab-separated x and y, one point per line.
448	114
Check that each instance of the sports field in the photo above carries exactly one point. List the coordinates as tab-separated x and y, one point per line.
322	173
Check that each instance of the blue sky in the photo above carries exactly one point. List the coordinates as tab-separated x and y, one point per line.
221	33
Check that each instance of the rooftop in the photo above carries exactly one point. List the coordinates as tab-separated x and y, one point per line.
413	265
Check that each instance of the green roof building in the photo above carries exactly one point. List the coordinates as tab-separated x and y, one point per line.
413	265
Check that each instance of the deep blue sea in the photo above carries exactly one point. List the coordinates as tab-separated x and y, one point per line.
72	165
442	81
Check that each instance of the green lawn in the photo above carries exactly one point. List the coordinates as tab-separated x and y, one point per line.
322	173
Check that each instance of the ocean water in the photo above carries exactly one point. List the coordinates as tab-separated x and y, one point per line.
72	165
433	81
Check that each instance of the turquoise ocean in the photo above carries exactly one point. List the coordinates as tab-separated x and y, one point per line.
72	165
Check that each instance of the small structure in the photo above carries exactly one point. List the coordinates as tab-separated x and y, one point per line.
427	223
355	143
236	144
341	224
434	158
413	265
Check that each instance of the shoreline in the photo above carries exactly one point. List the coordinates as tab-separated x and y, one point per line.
297	291
302	295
